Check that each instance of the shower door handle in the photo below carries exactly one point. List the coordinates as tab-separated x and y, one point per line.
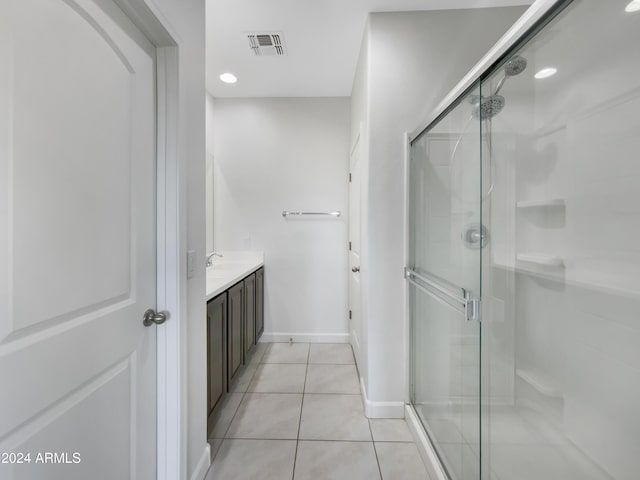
456	297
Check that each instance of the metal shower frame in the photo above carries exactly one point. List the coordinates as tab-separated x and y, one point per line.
528	25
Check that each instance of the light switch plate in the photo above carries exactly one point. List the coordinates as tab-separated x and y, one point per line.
191	263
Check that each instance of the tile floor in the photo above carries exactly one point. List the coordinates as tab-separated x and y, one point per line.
296	413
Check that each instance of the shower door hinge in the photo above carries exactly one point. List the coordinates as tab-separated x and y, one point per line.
349	246
472	309
349	314
349	178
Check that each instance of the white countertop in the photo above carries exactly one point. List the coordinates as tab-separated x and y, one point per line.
230	269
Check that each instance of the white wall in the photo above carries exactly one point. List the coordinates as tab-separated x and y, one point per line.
414	59
360	91
281	154
209	173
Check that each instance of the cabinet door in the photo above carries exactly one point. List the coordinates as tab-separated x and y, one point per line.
249	313
234	323
259	303
217	349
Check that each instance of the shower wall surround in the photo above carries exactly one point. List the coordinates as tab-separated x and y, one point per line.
401	60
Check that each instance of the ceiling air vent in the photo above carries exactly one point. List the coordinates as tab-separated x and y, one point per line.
266	44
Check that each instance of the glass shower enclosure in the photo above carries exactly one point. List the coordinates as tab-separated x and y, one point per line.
524	256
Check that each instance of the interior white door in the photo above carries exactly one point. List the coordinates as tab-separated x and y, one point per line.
77	242
355	310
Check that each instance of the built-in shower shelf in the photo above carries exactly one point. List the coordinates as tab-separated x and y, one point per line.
539	382
553	203
541	259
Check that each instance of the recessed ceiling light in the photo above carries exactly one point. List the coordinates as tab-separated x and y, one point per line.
633	6
546	72
228	78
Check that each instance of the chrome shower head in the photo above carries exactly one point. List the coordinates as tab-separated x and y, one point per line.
488	107
515	66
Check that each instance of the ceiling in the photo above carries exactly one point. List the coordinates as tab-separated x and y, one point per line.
322	41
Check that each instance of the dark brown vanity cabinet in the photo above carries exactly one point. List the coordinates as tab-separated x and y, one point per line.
249	314
235	322
216	350
259	303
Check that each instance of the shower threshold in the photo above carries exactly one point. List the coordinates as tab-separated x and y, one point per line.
524	445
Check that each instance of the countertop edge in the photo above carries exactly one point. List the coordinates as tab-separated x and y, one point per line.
237	277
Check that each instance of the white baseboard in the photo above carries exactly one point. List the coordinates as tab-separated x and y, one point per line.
268	337
203	464
428	454
380	409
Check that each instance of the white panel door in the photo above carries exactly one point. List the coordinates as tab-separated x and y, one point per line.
355	310
77	242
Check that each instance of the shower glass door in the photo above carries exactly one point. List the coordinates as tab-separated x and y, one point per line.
445	199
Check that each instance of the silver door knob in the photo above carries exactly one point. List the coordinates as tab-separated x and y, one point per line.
355	269
150	317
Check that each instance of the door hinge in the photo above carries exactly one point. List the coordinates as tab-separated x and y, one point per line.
349	246
473	310
349	178
349	314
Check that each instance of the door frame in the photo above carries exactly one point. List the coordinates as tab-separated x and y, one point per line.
171	387
408	373
171	374
357	143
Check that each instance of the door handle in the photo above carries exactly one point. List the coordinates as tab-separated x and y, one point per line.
150	317
355	269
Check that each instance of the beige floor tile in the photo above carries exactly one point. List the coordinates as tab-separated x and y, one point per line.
220	421
214	445
278	378
400	461
332	379
267	416
254	460
336	460
333	417
241	383
258	352
335	437
390	430
333	353
286	353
